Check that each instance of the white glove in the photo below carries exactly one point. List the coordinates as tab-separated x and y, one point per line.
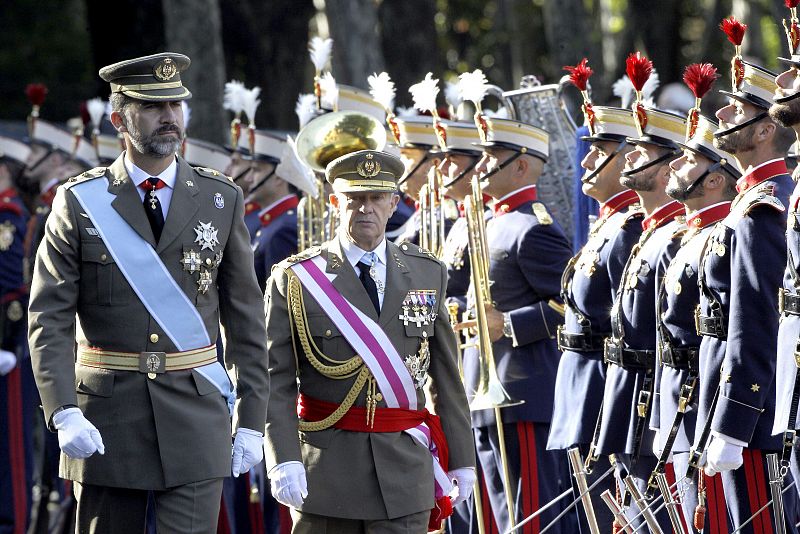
77	437
7	362
288	483
657	448
465	478
722	456
248	450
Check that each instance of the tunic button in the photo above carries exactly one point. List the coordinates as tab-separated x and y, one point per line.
327	333
378	397
103	257
153	338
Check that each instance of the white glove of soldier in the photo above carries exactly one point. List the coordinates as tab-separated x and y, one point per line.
288	483
722	456
248	450
657	447
7	362
465	478
77	437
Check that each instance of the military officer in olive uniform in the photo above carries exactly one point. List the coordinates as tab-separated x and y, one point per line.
356	327
151	255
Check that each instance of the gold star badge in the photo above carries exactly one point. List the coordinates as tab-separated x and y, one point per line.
754	388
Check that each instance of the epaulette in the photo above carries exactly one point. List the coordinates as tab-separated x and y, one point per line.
91	174
301	256
757	196
542	214
416	250
212	173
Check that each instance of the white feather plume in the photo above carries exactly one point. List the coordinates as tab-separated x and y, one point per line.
407	112
232	98
623	88
96	109
306	108
381	87
330	91
501	113
473	86
295	171
424	93
250	103
452	95
320	50
187	114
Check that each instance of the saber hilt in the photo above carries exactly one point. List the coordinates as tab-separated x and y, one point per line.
641	502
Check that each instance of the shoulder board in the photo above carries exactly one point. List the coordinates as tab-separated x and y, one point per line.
416	250
11	207
757	196
97	172
212	173
301	256
542	214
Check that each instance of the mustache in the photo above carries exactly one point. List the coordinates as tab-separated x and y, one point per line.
170	128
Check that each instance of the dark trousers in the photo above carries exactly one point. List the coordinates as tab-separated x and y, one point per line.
305	523
189	509
537	476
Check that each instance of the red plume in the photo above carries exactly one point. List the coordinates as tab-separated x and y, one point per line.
36	93
791	3
700	78
579	74
734	29
638	69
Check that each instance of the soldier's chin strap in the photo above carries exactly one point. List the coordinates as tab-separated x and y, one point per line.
711	169
33	167
240	176
461	174
591	178
784	99
501	166
669	155
262	181
414	168
745	124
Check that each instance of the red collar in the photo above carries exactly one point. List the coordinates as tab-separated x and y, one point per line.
765	171
462	210
46	197
709	215
278	208
515	200
251	206
663	215
8	195
410	202
618	202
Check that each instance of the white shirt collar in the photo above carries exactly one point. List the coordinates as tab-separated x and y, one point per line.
168	175
354	253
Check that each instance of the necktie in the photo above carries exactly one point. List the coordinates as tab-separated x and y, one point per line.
364	266
152	206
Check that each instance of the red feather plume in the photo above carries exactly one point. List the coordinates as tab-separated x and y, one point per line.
700	77
734	29
638	68
36	93
791	3
579	74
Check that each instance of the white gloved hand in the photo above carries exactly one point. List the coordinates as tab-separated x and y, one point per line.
465	478
248	450
722	456
657	447
7	362
288	483
77	437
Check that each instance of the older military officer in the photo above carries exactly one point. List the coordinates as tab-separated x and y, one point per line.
355	328
151	255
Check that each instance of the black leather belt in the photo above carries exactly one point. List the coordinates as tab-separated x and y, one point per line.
788	303
685	359
580	342
629	358
711	326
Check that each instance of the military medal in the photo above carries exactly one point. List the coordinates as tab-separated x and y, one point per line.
206	236
6	235
588	262
189	183
719	249
191	261
204	282
405	317
418	364
117	182
219	202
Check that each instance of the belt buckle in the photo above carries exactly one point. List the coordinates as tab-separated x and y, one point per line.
788	438
609	349
560	337
697	319
644	402
781	300
152	363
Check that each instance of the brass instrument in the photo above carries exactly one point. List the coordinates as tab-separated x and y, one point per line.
321	141
432	215
490	393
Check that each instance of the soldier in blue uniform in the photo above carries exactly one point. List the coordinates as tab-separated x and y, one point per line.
740	275
631	350
588	287
527	253
704	180
17	388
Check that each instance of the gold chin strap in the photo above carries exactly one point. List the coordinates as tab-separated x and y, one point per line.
333	369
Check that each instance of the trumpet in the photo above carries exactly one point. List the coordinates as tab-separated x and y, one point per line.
311	215
432	215
490	393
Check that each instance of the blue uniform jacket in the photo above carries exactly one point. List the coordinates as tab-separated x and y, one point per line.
276	239
13	291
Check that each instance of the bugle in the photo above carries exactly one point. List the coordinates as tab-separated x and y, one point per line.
432	216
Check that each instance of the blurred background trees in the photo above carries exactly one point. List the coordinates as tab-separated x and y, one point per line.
63	43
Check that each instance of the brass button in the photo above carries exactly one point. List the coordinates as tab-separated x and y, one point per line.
103	257
328	333
208	261
153	338
151	376
378	397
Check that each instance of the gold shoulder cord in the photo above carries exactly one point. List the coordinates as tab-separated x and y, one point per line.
298	323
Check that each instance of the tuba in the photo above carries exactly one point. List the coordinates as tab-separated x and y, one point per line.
321	141
432	214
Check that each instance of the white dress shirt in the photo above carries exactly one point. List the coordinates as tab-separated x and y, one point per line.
354	254
168	176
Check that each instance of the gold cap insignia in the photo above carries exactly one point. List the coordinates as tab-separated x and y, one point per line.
165	70
368	167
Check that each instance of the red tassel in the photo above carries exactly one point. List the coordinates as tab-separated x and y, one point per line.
579	74
734	29
638	68
36	92
700	77
699	517
791	3
616	527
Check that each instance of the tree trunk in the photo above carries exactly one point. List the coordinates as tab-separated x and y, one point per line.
357	49
660	35
566	18
194	28
750	13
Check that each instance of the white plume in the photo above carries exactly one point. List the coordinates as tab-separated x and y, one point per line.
501	113
623	88
250	102
187	114
109	109
452	95
96	109
381	87
407	112
330	91
424	93
473	86
320	50
295	171
232	99
306	108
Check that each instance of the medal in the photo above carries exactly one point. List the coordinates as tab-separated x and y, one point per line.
219	202
204	282
206	235
6	235
191	261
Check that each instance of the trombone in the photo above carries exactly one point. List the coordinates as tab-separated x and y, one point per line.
490	393
432	215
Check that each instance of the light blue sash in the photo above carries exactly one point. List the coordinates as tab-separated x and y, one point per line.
150	279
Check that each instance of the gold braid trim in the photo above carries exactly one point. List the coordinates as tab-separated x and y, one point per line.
354	366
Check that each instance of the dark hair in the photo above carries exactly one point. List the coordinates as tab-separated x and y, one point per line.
783	138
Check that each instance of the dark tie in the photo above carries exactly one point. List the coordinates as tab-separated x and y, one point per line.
369	285
152	206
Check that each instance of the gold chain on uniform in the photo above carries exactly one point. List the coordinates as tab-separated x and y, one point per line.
298	322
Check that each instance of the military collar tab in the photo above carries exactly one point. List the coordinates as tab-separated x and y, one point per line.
663	215
511	202
709	215
618	202
762	173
